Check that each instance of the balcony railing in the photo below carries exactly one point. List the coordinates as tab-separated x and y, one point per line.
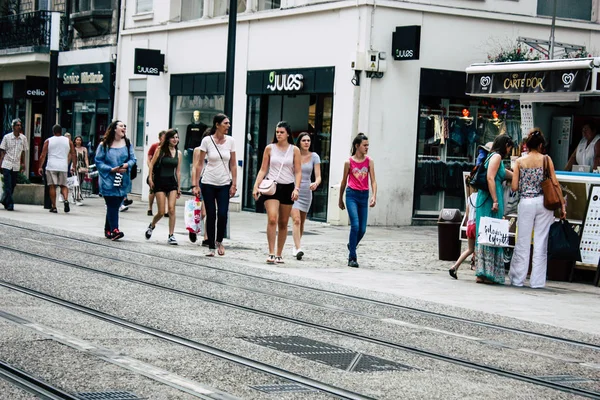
25	33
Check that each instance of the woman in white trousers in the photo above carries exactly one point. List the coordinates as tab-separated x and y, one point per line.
532	215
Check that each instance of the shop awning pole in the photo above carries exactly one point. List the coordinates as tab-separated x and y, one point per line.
552	28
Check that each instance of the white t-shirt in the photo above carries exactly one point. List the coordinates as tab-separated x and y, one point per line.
216	172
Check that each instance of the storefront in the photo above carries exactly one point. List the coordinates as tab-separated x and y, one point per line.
302	97
195	100
85	93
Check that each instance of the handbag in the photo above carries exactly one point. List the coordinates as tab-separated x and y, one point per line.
268	187
563	242
552	191
72	181
478	177
492	232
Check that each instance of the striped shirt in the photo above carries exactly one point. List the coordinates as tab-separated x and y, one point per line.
13	147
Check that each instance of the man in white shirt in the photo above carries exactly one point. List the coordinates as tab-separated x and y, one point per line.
59	149
12	160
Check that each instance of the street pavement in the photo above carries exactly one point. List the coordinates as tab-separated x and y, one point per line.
397	263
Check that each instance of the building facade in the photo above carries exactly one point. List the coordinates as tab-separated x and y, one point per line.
334	69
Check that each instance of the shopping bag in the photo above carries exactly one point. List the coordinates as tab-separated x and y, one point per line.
193	216
563	242
493	232
72	181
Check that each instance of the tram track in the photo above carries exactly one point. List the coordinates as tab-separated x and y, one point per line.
333	293
32	384
336	294
329	329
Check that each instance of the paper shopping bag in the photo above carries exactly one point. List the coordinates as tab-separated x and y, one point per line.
493	232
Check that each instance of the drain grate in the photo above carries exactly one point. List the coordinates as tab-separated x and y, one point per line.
566	379
109	395
324	353
283	388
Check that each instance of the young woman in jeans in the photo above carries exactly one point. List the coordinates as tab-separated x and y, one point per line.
532	215
218	181
281	160
357	171
113	157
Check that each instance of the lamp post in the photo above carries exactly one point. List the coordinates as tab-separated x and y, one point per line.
230	68
52	77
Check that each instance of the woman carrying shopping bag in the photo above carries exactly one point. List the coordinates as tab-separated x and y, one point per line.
529	173
489	261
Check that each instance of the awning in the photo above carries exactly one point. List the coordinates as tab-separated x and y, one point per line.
551	80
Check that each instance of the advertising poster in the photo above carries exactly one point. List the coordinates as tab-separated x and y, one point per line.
590	238
576	198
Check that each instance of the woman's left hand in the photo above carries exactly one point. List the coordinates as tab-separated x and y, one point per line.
314	186
178	193
495	207
372	202
295	194
232	190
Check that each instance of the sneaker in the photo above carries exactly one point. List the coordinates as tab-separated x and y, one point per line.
150	213
172	240
271	259
116	234
279	260
78	203
297	253
60	197
53	210
107	234
127	202
67	208
193	237
123	208
205	243
166	215
149	231
452	273
352	263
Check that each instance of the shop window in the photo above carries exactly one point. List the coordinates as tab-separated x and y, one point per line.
571	9
221	7
143	6
191	9
269	5
184	110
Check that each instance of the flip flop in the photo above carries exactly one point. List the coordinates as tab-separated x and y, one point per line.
220	249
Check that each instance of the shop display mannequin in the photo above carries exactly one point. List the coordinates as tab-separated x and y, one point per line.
194	132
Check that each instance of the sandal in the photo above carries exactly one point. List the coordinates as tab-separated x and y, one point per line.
211	253
271	259
279	260
220	248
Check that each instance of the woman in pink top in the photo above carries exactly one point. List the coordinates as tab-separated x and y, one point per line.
281	163
357	171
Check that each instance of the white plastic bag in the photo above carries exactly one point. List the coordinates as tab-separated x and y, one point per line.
72	181
493	232
193	216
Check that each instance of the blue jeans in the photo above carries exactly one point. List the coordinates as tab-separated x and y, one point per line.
112	212
220	194
10	181
357	204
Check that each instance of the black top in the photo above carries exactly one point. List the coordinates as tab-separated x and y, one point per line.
193	135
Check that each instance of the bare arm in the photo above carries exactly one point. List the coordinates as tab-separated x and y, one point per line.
596	155
493	165
2	152
571	161
73	156
552	174
373	183
514	185
317	182
151	169
264	167
233	169
43	157
178	173
343	185
199	157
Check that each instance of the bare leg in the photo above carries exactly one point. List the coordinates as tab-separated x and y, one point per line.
470	250
282	224
65	192
52	191
172	200
297	227
302	220
272	207
150	201
160	203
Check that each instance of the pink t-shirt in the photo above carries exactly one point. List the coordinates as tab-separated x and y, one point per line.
358	177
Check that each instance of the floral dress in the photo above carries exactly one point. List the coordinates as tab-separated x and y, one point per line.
489	261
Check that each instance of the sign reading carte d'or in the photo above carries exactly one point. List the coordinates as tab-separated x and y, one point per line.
529	82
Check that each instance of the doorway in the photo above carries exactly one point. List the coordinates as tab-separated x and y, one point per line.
310	113
137	138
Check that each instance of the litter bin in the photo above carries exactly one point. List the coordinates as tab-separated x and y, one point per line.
449	234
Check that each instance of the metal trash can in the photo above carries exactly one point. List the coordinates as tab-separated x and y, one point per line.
449	234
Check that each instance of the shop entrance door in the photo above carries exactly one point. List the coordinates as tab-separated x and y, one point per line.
137	137
305	113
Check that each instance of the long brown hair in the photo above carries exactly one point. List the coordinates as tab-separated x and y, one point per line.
109	135
164	146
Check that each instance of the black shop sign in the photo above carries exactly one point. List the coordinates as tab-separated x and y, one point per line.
148	62
290	81
85	82
36	87
406	42
529	82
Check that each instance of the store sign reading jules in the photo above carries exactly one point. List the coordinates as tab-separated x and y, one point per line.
529	82
285	82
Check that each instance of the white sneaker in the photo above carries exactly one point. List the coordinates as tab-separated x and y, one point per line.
123	208
172	240
298	253
78	203
60	198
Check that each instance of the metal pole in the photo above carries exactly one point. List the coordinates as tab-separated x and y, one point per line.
52	83
551	50
230	69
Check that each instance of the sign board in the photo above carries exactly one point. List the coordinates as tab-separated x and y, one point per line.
406	43
85	81
36	87
290	81
590	238
577	80
148	62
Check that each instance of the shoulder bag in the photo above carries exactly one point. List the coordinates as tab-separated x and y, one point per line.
223	161
478	177
552	191
268	187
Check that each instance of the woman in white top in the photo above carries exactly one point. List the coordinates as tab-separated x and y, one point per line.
588	150
218	180
281	160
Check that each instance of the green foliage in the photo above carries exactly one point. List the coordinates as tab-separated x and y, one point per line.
520	52
22	178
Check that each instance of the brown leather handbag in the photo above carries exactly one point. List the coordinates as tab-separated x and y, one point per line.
552	191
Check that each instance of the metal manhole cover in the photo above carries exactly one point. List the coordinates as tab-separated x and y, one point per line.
324	353
282	388
108	395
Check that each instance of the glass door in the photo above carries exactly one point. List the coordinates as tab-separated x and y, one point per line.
253	149
137	135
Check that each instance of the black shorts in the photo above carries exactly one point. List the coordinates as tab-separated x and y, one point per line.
165	185
283	194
